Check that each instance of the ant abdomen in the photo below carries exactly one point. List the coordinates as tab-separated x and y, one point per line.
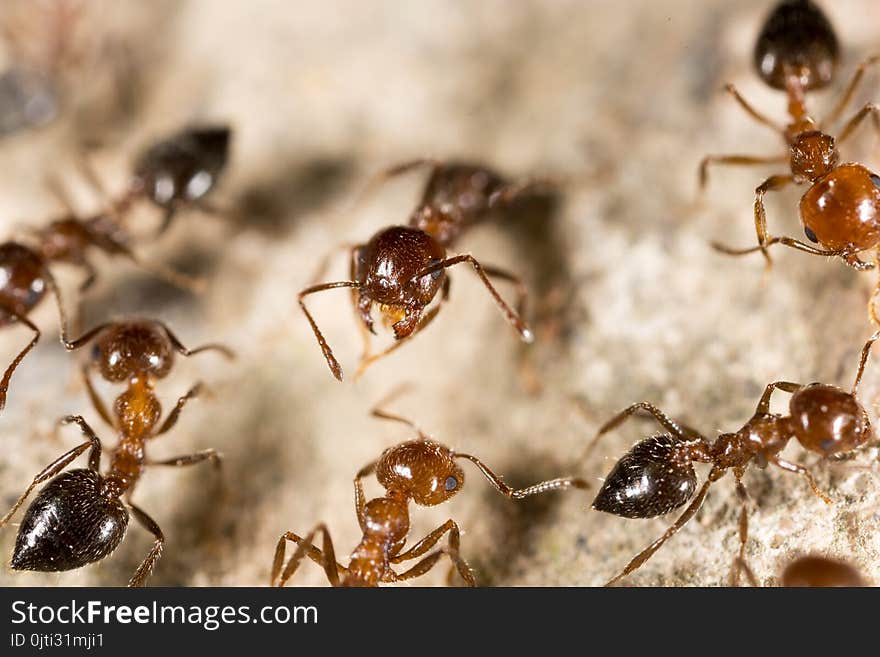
23	277
842	209
827	420
71	523
184	167
652	479
797	39
818	571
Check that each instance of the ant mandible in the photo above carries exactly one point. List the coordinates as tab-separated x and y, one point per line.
797	52
657	476
813	570
79	517
420	471
402	268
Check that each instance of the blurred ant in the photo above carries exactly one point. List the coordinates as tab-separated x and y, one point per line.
657	476
813	571
421	471
79	517
402	268
797	52
176	172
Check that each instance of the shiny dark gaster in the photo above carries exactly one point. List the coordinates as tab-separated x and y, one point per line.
797	37
71	523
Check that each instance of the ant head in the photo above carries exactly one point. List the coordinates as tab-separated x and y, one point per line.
796	39
390	263
387	518
72	522
827	420
842	210
814	570
421	469
132	348
813	155
652	479
22	276
184	167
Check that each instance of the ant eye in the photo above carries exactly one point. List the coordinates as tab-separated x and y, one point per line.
876	180
811	235
451	484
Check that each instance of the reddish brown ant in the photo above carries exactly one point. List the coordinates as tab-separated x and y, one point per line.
79	517
814	571
402	268
797	52
421	471
657	476
25	276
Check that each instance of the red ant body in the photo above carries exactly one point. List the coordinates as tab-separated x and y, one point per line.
79	517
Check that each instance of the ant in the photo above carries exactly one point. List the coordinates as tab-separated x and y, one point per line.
402	268
26	276
797	52
175	172
421	471
657	476
814	571
79	517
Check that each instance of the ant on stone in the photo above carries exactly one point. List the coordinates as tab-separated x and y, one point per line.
79	516
797	52
402	268
657	476
814	571
420	471
175	172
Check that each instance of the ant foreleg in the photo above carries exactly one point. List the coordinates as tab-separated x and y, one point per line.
7	375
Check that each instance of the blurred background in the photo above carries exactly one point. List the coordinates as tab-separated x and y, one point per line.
619	101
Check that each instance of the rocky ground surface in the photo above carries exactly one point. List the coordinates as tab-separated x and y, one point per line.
619	101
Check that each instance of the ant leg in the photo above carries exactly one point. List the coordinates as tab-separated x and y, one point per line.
866	351
59	302
59	464
312	553
856	120
332	363
510	193
520	493
739	563
213	346
192	459
662	419
850	90
773	183
378	179
171	420
331	568
751	111
515	320
7	375
801	470
763	407
146	568
423	566
91	276
360	500
735	160
648	552
96	400
428	317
